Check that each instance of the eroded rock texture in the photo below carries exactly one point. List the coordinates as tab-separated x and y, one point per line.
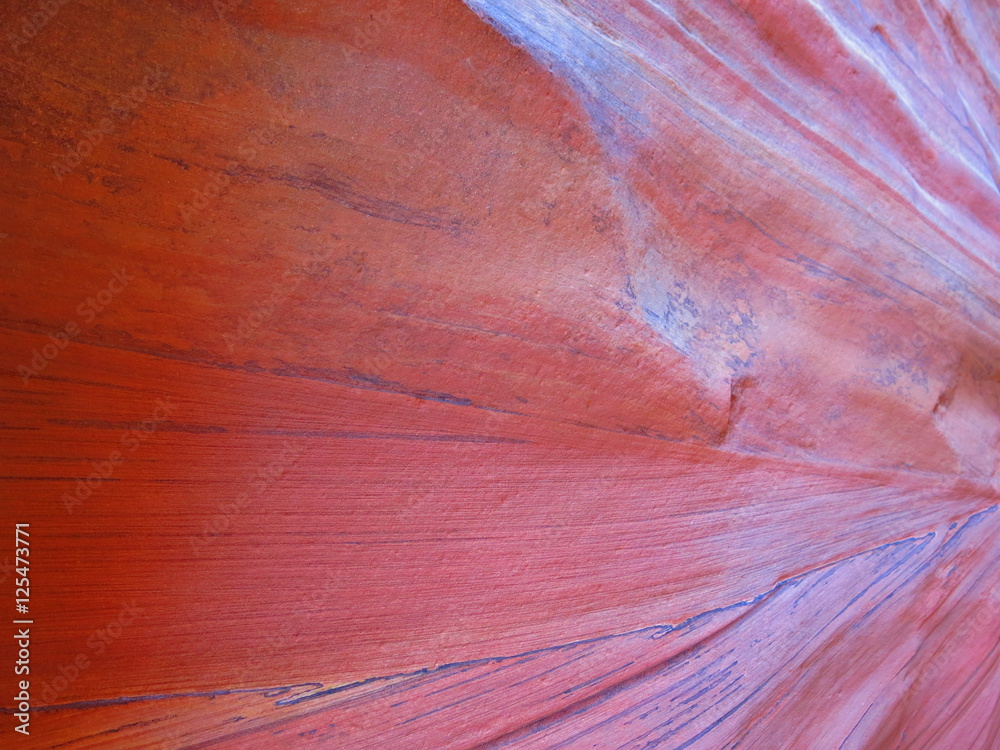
523	373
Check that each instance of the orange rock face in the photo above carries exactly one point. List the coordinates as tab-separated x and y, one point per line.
517	373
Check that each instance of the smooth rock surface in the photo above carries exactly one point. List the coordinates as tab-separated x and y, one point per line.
522	374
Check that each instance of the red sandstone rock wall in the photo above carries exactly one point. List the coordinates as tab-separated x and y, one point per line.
519	374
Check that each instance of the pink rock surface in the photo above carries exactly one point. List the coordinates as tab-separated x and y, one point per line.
521	374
